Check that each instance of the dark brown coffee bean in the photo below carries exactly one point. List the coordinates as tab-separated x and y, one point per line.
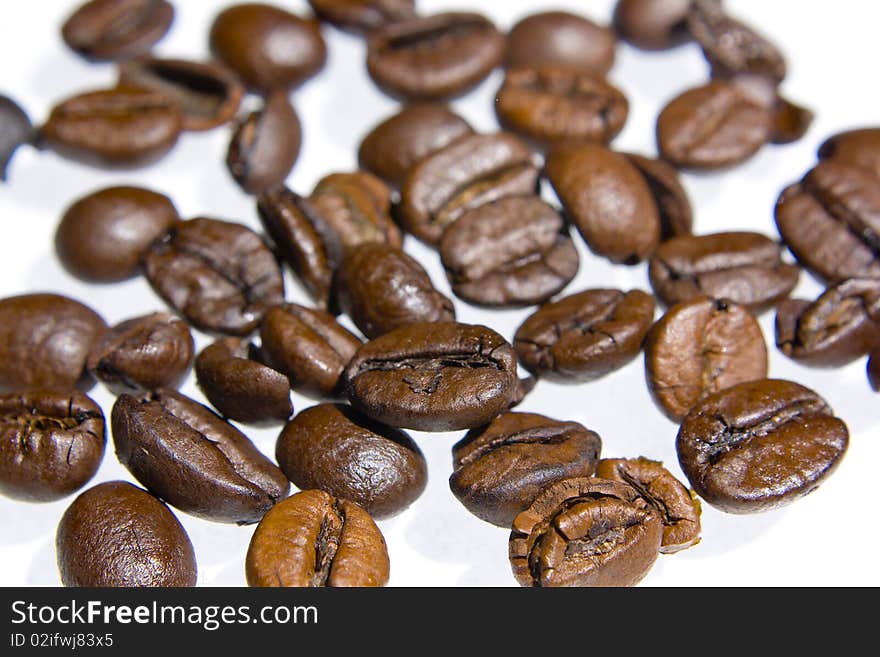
15	129
745	268
466	174
208	94
561	38
363	15
512	252
51	444
103	236
699	347
332	447
436	376
433	57
652	24
116	534
267	46
760	445
790	121
608	199
498	470
117	29
143	353
556	103
313	539
843	324
220	275
115	127
857	147
874	370
586	335
45	340
309	347
678	509
673	204
585	532
265	145
194	459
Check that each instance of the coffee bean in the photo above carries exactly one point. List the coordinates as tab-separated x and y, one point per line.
116	534
678	509
858	147
51	444
313	539
268	47
220	275
117	29
745	268
652	24
874	370
103	236
699	347
363	15
498	470
435	376
843	324
586	335
143	353
607	198
309	347
334	448
433	57
15	129
790	122
561	38
45	340
512	252
265	146
395	145
585	532
760	445
193	459
673	204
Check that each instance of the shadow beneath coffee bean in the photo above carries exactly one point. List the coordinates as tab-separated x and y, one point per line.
723	532
43	569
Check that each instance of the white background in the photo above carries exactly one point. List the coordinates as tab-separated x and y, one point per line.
829	538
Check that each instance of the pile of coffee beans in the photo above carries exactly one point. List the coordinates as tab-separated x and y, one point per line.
330	290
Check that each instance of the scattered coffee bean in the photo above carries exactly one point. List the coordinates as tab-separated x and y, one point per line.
790	122
15	129
117	29
859	147
561	38
652	24
363	15
673	204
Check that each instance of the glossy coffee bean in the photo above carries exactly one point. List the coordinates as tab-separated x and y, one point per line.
561	38
117	29
15	129
435	376
699	347
103	236
760	445
670	197
51	444
652	24
585	532
586	335
94	545
860	147
194	459
498	470
363	15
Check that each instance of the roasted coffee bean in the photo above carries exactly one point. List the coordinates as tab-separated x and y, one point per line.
313	539
394	146
556	103
673	204
267	46
585	532
607	198
363	15
843	324
586	335
116	534
790	121
498	470
559	37
143	353
874	370
678	509
208	94
435	376
265	146
51	444
114	128
45	340
512	252
309	347
831	221
468	173
745	268
858	147
15	129
433	57
652	24
699	347
220	275
712	127
332	447
117	29
193	459
103	236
